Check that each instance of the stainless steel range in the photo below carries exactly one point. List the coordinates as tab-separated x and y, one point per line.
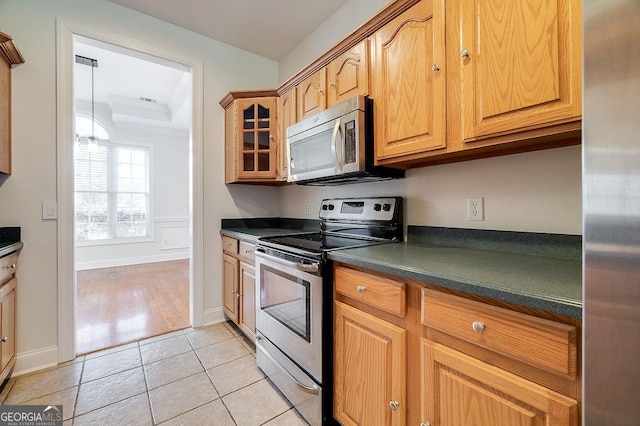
294	318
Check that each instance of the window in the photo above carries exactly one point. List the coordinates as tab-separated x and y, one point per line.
111	190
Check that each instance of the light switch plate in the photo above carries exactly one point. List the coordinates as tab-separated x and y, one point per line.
49	210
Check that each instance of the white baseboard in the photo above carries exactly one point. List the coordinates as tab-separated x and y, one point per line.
212	316
110	263
39	359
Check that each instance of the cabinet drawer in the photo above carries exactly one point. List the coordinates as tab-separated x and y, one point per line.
229	245
8	266
381	293
247	252
539	342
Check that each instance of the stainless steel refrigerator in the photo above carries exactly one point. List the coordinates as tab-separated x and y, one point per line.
611	212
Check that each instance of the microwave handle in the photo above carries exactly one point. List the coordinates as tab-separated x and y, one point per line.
335	139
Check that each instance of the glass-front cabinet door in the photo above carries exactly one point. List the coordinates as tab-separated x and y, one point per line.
251	137
257	146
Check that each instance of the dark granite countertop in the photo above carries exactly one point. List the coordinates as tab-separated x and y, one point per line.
542	271
252	229
252	234
546	283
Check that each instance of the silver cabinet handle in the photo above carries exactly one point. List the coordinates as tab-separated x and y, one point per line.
425	424
12	266
436	68
247	251
394	405
464	53
5	339
478	326
361	289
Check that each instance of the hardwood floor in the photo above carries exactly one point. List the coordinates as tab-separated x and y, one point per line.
127	303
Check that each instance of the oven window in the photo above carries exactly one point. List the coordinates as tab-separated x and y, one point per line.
287	299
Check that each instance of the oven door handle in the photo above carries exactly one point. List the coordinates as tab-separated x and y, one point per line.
306	267
304	388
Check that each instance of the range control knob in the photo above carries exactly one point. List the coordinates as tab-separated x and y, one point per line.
377	207
324	207
331	207
386	207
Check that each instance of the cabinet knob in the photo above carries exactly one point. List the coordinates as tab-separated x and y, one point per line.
361	289
12	266
425	424
332	84
394	405
464	53
436	68
247	251
320	91
5	339
478	326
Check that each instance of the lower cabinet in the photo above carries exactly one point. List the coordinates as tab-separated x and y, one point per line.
445	358
247	321
230	286
8	283
239	284
460	390
370	369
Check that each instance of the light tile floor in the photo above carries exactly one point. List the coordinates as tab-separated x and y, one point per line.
205	376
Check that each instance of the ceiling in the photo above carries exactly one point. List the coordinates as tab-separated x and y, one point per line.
269	28
122	82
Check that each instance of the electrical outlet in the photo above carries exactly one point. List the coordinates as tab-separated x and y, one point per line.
475	208
305	209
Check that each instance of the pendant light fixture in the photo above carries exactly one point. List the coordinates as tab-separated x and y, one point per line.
91	141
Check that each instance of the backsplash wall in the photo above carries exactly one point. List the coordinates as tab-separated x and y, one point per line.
533	192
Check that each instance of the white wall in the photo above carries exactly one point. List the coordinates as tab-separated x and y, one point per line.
32	24
535	192
169	178
339	25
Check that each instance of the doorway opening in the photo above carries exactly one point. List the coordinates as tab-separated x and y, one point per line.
132	197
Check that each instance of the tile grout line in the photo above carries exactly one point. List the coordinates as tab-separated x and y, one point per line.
146	385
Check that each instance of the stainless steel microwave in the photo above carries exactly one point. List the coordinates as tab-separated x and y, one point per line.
335	146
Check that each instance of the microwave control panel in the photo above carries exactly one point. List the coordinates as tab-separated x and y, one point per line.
350	154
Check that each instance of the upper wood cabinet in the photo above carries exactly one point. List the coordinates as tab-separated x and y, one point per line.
348	74
453	80
311	94
344	77
9	55
251	142
287	114
408	83
514	66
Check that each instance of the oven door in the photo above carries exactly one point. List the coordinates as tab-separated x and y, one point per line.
289	308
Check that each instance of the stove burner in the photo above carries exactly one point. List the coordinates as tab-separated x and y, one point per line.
317	242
